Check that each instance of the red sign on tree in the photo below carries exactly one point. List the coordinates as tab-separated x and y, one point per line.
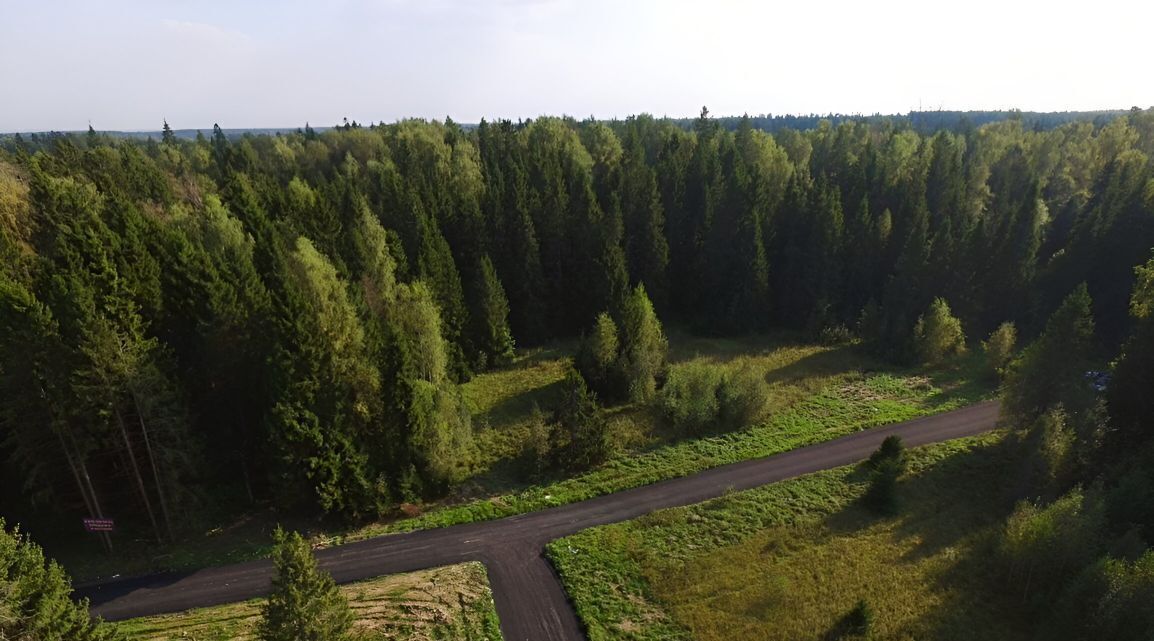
99	525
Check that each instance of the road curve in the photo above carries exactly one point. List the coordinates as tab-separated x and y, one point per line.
531	602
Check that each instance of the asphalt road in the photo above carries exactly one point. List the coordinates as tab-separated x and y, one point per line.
530	600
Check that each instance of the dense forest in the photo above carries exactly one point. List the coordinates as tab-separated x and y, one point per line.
287	317
923	122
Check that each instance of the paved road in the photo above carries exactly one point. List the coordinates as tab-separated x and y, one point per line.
531	602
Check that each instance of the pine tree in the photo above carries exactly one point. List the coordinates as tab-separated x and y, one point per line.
167	136
327	392
646	248
438	269
490	316
644	348
580	434
305	604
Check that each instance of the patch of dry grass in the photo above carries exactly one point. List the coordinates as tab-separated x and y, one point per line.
451	602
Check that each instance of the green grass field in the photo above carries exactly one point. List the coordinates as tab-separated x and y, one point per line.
789	560
815	393
447	603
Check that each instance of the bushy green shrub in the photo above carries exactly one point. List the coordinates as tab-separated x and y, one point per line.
1045	546
999	348
689	399
938	334
701	399
741	397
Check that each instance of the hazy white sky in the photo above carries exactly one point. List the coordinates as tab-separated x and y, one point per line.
128	64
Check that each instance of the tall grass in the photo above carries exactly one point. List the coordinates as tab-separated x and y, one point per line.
790	560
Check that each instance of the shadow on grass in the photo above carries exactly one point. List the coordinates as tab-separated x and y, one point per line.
516	408
943	502
685	346
952	510
838	360
852	625
964	379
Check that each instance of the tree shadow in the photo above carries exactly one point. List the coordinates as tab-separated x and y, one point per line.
826	363
514	409
952	510
941	502
962	379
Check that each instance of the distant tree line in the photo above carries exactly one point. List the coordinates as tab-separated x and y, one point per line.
290	315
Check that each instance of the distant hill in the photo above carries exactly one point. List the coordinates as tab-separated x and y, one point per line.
185	134
920	121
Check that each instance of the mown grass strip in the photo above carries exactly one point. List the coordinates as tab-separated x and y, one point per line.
451	602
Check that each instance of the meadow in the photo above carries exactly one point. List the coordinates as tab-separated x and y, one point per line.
791	560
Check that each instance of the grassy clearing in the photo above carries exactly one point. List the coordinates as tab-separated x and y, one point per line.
452	602
502	401
789	560
815	393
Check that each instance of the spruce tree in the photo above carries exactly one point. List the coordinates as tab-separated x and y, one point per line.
35	597
327	392
646	249
490	317
305	604
580	434
644	348
598	360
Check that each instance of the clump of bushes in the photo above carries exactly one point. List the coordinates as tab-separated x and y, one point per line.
575	436
700	399
624	358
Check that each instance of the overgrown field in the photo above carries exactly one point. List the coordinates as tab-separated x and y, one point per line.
814	393
450	603
790	560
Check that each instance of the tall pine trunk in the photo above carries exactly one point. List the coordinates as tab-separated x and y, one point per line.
136	473
84	484
152	463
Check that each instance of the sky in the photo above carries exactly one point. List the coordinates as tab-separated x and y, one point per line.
132	64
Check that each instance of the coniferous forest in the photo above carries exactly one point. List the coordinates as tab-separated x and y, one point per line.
287	318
